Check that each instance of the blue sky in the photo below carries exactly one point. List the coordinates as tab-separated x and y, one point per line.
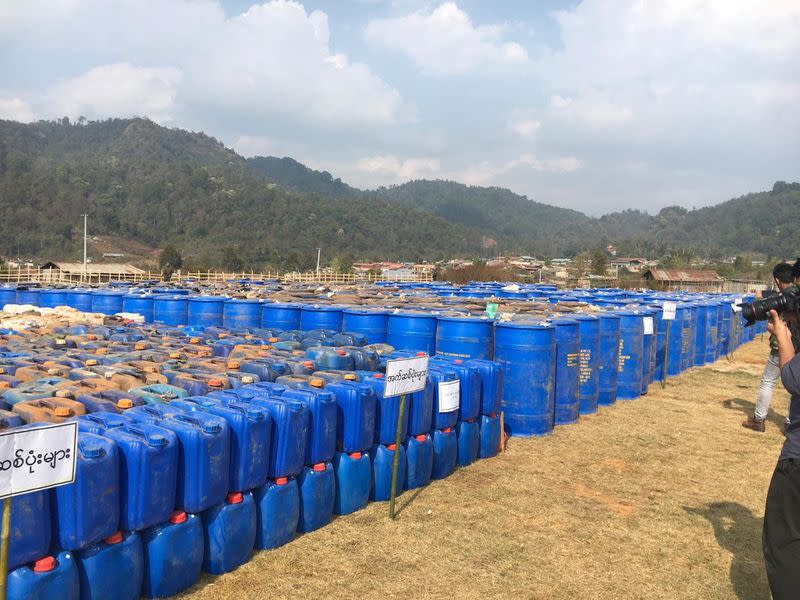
597	105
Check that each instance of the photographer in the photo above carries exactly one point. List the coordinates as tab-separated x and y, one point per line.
781	537
783	276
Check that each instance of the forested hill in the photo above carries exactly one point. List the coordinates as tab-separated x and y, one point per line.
154	185
157	185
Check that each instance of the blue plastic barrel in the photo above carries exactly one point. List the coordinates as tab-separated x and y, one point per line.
566	388
30	533
239	313
280	317
205	311
371	324
141	304
170	309
107	302
445	452
712	341
353	481
8	295
706	311
649	340
320	316
317	485
687	317
51	298
382	457
412	331
278	512
527	352
81	299
464	337
28	296
419	460
631	355
49	578
589	372
609	358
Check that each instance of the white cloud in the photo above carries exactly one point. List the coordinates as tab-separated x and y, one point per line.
117	90
486	173
523	127
396	170
445	41
16	109
272	61
255	145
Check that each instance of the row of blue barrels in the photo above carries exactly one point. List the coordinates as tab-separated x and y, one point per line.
555	371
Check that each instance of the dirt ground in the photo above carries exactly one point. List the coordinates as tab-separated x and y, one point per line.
659	497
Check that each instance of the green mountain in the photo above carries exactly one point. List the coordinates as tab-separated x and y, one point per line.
157	185
153	185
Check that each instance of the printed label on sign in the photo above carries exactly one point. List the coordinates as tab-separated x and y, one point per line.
449	395
670	308
648	325
405	376
37	459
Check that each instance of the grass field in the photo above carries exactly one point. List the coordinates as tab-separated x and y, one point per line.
660	497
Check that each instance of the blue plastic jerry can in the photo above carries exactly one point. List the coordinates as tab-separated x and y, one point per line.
278	512
230	533
419	461
490	435
445	452
49	578
469	442
112	568
382	467
317	486
173	555
353	481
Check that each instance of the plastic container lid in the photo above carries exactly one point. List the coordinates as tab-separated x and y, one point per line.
247	379
114	538
378	376
355	455
178	517
349	377
281	481
234	498
43	565
420	438
447	430
318	467
317	383
89	451
62	411
124	403
391	447
91	362
341	352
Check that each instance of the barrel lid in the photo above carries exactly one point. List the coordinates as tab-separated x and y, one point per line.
124	403
412	314
45	564
364	311
355	455
91	362
234	498
391	447
114	538
350	377
63	411
583	317
378	376
420	438
207	299
4	385
447	430
156	440
341	352
316	382
564	321
248	379
281	480
318	467
217	383
178	517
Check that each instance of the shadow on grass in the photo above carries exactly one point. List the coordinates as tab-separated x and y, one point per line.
738	531
406	500
746	407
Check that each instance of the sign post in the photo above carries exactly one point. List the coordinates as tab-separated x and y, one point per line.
32	459
403	376
736	305
670	309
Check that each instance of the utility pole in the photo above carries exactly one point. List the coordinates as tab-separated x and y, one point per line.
83	277
319	252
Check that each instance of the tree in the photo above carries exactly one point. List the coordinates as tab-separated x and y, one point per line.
599	262
581	263
342	263
231	261
169	261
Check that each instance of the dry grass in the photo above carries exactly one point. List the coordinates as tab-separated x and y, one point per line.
660	497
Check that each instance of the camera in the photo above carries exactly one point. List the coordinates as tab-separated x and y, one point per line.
786	301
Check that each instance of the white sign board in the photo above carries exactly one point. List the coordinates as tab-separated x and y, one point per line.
405	376
737	305
449	396
648	325
670	308
37	459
